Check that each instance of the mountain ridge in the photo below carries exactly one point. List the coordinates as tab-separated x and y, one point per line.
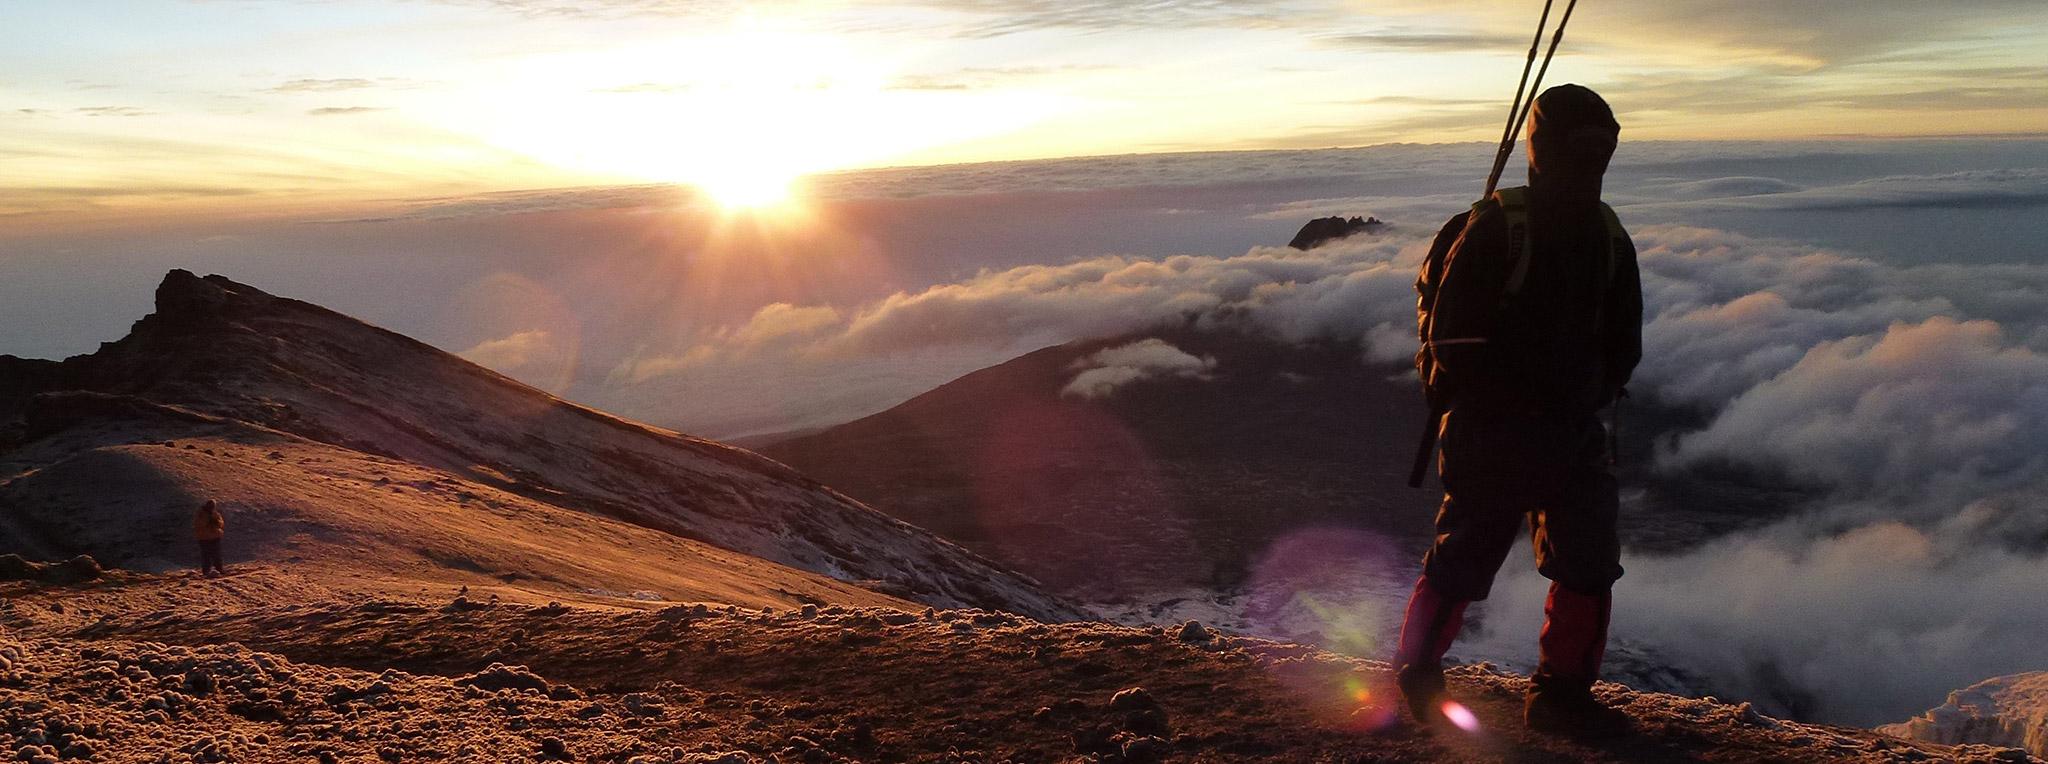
217	348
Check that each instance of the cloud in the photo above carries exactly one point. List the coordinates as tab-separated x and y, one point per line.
324	85
609	9
113	111
647	87
1345	289
1979	189
524	202
932	82
509	351
1716	188
1730	312
1944	407
1816	33
1004	17
1108	369
538	355
1862	627
1441	42
330	111
782	322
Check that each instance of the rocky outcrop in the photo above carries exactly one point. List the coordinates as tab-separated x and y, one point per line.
1322	231
2009	711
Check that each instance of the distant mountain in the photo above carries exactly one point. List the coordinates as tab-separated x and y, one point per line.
1139	462
329	437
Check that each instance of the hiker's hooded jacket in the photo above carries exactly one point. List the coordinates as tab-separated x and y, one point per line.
1568	341
208	525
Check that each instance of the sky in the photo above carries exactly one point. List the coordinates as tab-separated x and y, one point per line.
248	107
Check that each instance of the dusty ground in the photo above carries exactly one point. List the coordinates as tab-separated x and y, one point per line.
150	668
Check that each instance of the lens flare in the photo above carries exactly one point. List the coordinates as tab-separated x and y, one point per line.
1460	716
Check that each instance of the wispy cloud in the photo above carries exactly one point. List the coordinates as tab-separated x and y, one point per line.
995	18
1438	42
330	111
647	87
323	85
113	111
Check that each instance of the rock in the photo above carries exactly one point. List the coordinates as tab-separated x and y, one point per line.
1144	749
1098	740
554	748
14	568
499	676
1142	715
463	604
1194	631
643	704
1133	699
76	570
1322	231
729	757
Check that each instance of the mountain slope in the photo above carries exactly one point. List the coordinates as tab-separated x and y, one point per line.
217	351
120	484
1174	476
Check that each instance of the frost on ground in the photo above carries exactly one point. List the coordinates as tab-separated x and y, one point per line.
1354	607
411	680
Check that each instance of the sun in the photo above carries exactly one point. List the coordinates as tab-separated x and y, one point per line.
735	191
740	113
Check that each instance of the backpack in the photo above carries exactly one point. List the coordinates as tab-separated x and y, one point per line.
1514	204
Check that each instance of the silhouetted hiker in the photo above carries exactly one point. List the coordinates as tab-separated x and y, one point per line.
1532	325
208	527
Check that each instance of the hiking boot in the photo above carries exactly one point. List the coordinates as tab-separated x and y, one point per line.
1423	687
1573	712
1427	629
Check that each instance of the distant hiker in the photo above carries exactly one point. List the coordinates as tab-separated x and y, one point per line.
1531	323
208	526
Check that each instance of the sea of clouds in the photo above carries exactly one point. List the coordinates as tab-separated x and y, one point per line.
1913	391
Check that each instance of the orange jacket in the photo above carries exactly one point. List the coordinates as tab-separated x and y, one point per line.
209	525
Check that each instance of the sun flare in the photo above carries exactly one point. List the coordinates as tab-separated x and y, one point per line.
734	192
740	115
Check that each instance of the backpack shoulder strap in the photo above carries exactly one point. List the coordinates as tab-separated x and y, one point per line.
1617	237
1514	204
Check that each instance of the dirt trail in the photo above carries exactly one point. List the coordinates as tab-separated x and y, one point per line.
697	682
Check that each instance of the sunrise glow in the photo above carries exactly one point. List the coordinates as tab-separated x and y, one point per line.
373	100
